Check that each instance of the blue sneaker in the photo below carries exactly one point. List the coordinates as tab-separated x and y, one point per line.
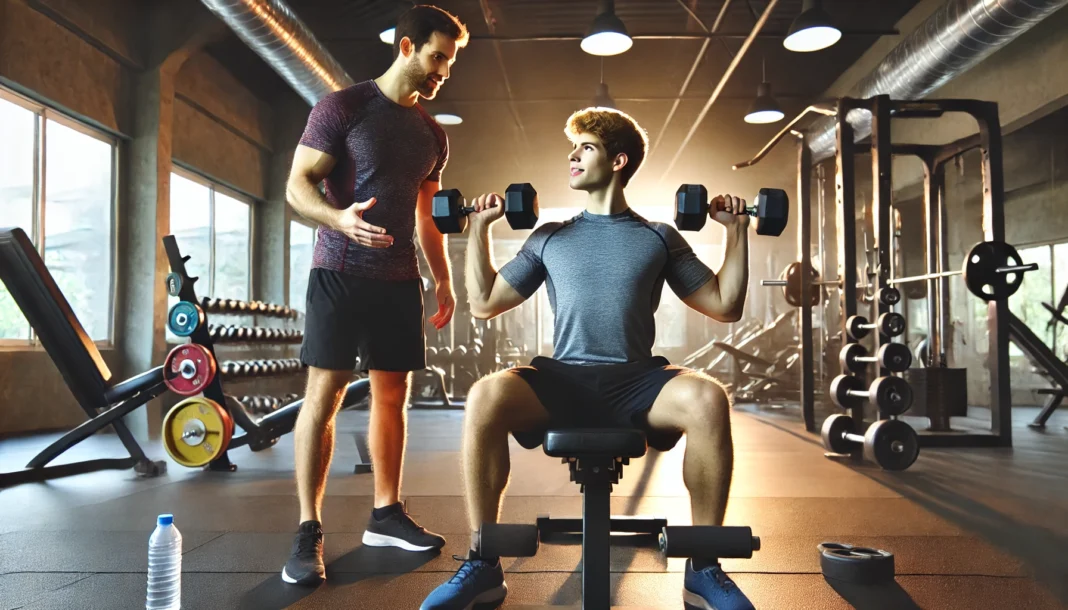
477	585
711	589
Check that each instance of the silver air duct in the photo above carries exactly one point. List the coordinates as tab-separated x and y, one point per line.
276	34
956	37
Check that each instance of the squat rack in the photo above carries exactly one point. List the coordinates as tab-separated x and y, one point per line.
934	159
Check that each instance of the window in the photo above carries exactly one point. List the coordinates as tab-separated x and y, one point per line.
213	228
57	182
301	246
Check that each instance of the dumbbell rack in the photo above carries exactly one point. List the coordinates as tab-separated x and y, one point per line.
256	434
883	110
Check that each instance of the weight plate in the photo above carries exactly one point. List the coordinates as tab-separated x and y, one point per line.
888	295
981	270
892	444
891	324
892	395
188	369
855	326
196	431
792	290
856	564
174	284
833	429
840	387
184	318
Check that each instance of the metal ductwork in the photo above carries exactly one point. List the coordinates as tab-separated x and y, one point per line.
956	37
276	34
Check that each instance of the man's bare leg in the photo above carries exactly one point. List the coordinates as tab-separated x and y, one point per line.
387	433
496	405
695	404
313	437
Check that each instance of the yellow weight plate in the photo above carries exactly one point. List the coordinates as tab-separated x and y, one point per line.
195	431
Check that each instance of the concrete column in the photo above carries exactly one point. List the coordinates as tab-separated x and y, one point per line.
172	36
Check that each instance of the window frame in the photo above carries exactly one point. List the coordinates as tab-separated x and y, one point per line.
214	187
43	114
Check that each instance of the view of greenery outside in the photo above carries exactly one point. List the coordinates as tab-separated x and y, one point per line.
77	212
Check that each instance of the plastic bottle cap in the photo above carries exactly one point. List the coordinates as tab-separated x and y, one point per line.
165	519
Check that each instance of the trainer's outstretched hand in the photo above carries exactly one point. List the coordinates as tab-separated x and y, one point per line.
351	223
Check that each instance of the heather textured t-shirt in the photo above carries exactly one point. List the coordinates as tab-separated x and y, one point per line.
605	274
383	150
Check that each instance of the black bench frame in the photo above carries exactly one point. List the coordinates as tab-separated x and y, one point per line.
79	362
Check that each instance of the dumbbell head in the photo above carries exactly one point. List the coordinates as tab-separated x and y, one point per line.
521	206
833	433
896	357
888	295
691	207
460	352
446	209
857	327
893	395
841	386
892	444
772	211
891	324
847	357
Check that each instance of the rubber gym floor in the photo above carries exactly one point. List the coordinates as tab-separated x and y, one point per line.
969	528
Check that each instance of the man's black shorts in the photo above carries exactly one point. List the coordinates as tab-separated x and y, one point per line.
379	321
599	396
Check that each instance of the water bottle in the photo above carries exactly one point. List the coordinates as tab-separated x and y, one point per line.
164	566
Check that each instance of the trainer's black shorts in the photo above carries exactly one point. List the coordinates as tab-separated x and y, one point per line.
379	321
599	396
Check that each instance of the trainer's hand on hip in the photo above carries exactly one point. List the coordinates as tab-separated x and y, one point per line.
351	223
728	210
446	305
488	209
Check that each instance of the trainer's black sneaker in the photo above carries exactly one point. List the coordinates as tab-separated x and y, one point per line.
393	526
305	565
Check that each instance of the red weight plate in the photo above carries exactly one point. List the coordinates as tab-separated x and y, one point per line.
188	369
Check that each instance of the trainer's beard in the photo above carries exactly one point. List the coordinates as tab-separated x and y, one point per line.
419	80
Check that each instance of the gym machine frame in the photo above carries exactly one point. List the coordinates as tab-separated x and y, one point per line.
270	426
934	159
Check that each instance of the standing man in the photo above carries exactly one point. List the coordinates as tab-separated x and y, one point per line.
381	157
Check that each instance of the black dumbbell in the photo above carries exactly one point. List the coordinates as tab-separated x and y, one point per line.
888	295
520	208
276	367
890	443
229	368
893	395
771	209
244	368
894	356
890	324
460	352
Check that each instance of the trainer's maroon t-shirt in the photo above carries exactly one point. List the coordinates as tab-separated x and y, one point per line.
383	150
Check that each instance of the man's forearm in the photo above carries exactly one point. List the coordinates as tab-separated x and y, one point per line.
479	272
307	201
433	244
734	274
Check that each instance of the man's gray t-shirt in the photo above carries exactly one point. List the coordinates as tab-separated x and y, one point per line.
605	275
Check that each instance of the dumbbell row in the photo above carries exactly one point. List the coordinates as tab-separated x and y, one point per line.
219	333
255	368
893	395
234	306
264	405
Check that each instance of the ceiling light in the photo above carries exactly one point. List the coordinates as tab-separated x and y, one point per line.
812	30
448	119
764	108
602	99
607	35
387	35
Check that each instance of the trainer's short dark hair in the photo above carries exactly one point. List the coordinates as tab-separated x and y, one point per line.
421	21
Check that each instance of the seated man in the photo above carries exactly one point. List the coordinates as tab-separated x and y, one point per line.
605	270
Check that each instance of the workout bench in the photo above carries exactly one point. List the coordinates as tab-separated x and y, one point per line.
596	458
81	365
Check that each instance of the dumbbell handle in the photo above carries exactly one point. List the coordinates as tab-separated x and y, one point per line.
895	446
